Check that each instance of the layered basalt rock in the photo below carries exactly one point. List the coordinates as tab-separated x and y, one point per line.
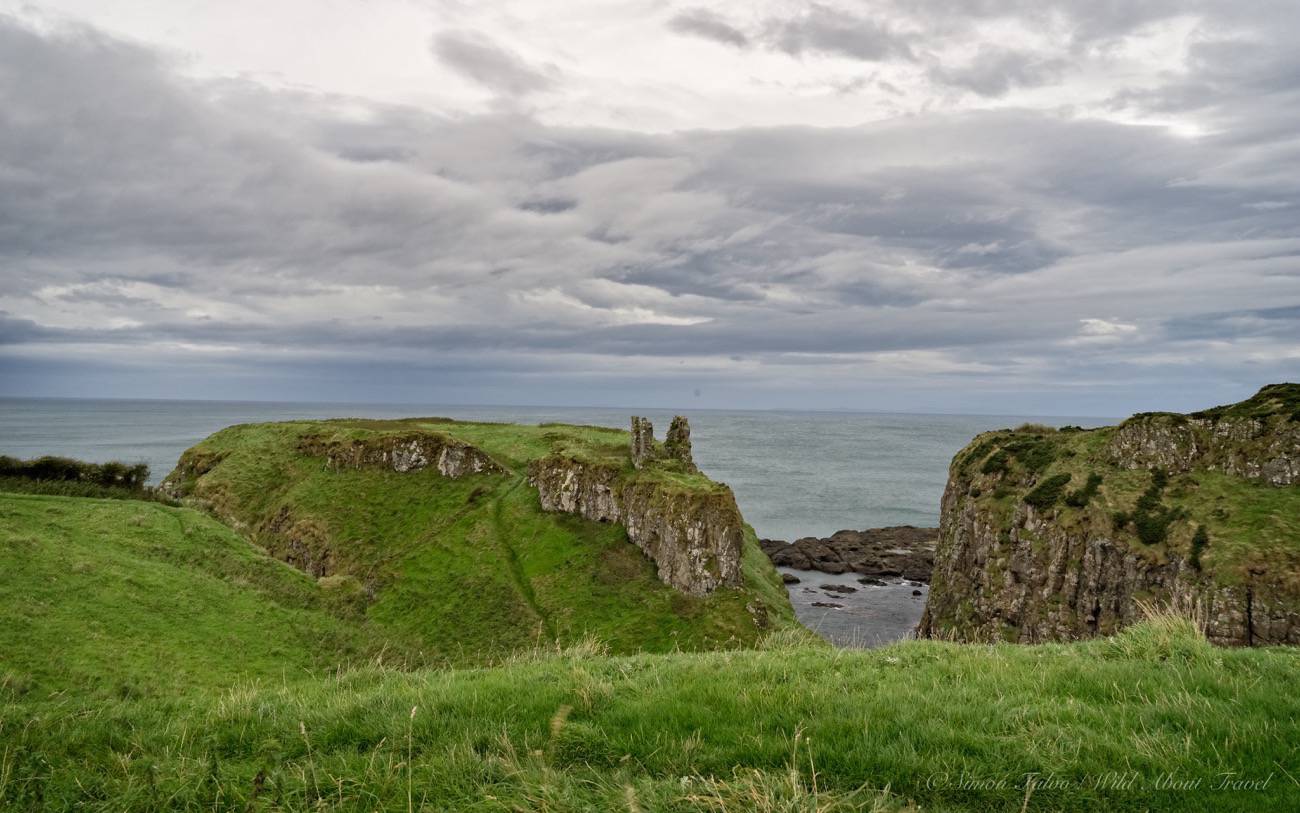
1031	578
1022	557
693	535
401	453
1265	449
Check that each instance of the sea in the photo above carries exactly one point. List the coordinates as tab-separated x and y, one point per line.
794	473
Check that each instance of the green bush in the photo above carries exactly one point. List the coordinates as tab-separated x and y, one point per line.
1199	542
1080	498
996	464
78	488
1151	519
64	469
1047	492
1035	453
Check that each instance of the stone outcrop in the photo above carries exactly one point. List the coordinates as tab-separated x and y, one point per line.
693	536
1031	579
643	441
1264	449
901	550
1017	563
676	447
401	453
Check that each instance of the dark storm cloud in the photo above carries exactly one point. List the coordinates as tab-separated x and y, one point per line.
229	225
488	63
704	23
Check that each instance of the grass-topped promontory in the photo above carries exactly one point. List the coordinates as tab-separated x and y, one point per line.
469	566
1245	525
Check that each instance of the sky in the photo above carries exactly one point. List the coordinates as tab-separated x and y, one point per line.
973	206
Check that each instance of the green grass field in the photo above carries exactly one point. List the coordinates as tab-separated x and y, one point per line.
153	660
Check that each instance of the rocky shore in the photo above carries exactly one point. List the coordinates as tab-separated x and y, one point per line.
901	551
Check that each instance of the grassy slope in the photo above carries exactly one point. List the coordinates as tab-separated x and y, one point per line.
152	660
804	727
116	597
472	567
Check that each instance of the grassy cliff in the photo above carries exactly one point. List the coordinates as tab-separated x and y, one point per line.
469	565
1057	534
151	660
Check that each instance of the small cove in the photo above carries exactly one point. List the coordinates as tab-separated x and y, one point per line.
870	616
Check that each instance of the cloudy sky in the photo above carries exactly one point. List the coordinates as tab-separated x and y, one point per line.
1008	206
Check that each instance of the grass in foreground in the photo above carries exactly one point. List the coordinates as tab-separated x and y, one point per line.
1152	719
151	660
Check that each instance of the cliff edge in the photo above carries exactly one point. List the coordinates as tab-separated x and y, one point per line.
1049	535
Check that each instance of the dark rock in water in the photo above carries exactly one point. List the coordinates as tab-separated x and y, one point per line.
790	578
874	582
897	551
917	593
839	588
828	604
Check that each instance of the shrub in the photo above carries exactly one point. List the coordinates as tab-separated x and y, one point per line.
64	469
1047	492
1080	498
996	464
79	488
1151	519
1034	453
979	452
1199	541
1033	429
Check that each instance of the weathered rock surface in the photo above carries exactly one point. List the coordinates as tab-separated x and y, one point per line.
643	441
901	550
839	588
677	445
694	537
1018	567
401	453
1034	579
1264	449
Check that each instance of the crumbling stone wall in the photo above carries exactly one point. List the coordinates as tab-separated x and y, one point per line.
677	446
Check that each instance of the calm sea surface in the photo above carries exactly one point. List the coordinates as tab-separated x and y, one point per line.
794	473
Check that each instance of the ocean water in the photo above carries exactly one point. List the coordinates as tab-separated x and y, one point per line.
794	473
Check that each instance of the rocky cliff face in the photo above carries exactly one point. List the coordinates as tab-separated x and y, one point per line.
401	453
1049	536
1265	449
693	535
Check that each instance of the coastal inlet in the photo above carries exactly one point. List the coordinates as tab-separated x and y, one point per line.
858	588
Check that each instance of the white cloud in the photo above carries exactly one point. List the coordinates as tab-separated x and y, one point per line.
829	199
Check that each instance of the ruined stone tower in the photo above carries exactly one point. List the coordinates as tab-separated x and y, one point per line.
643	441
676	447
678	444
